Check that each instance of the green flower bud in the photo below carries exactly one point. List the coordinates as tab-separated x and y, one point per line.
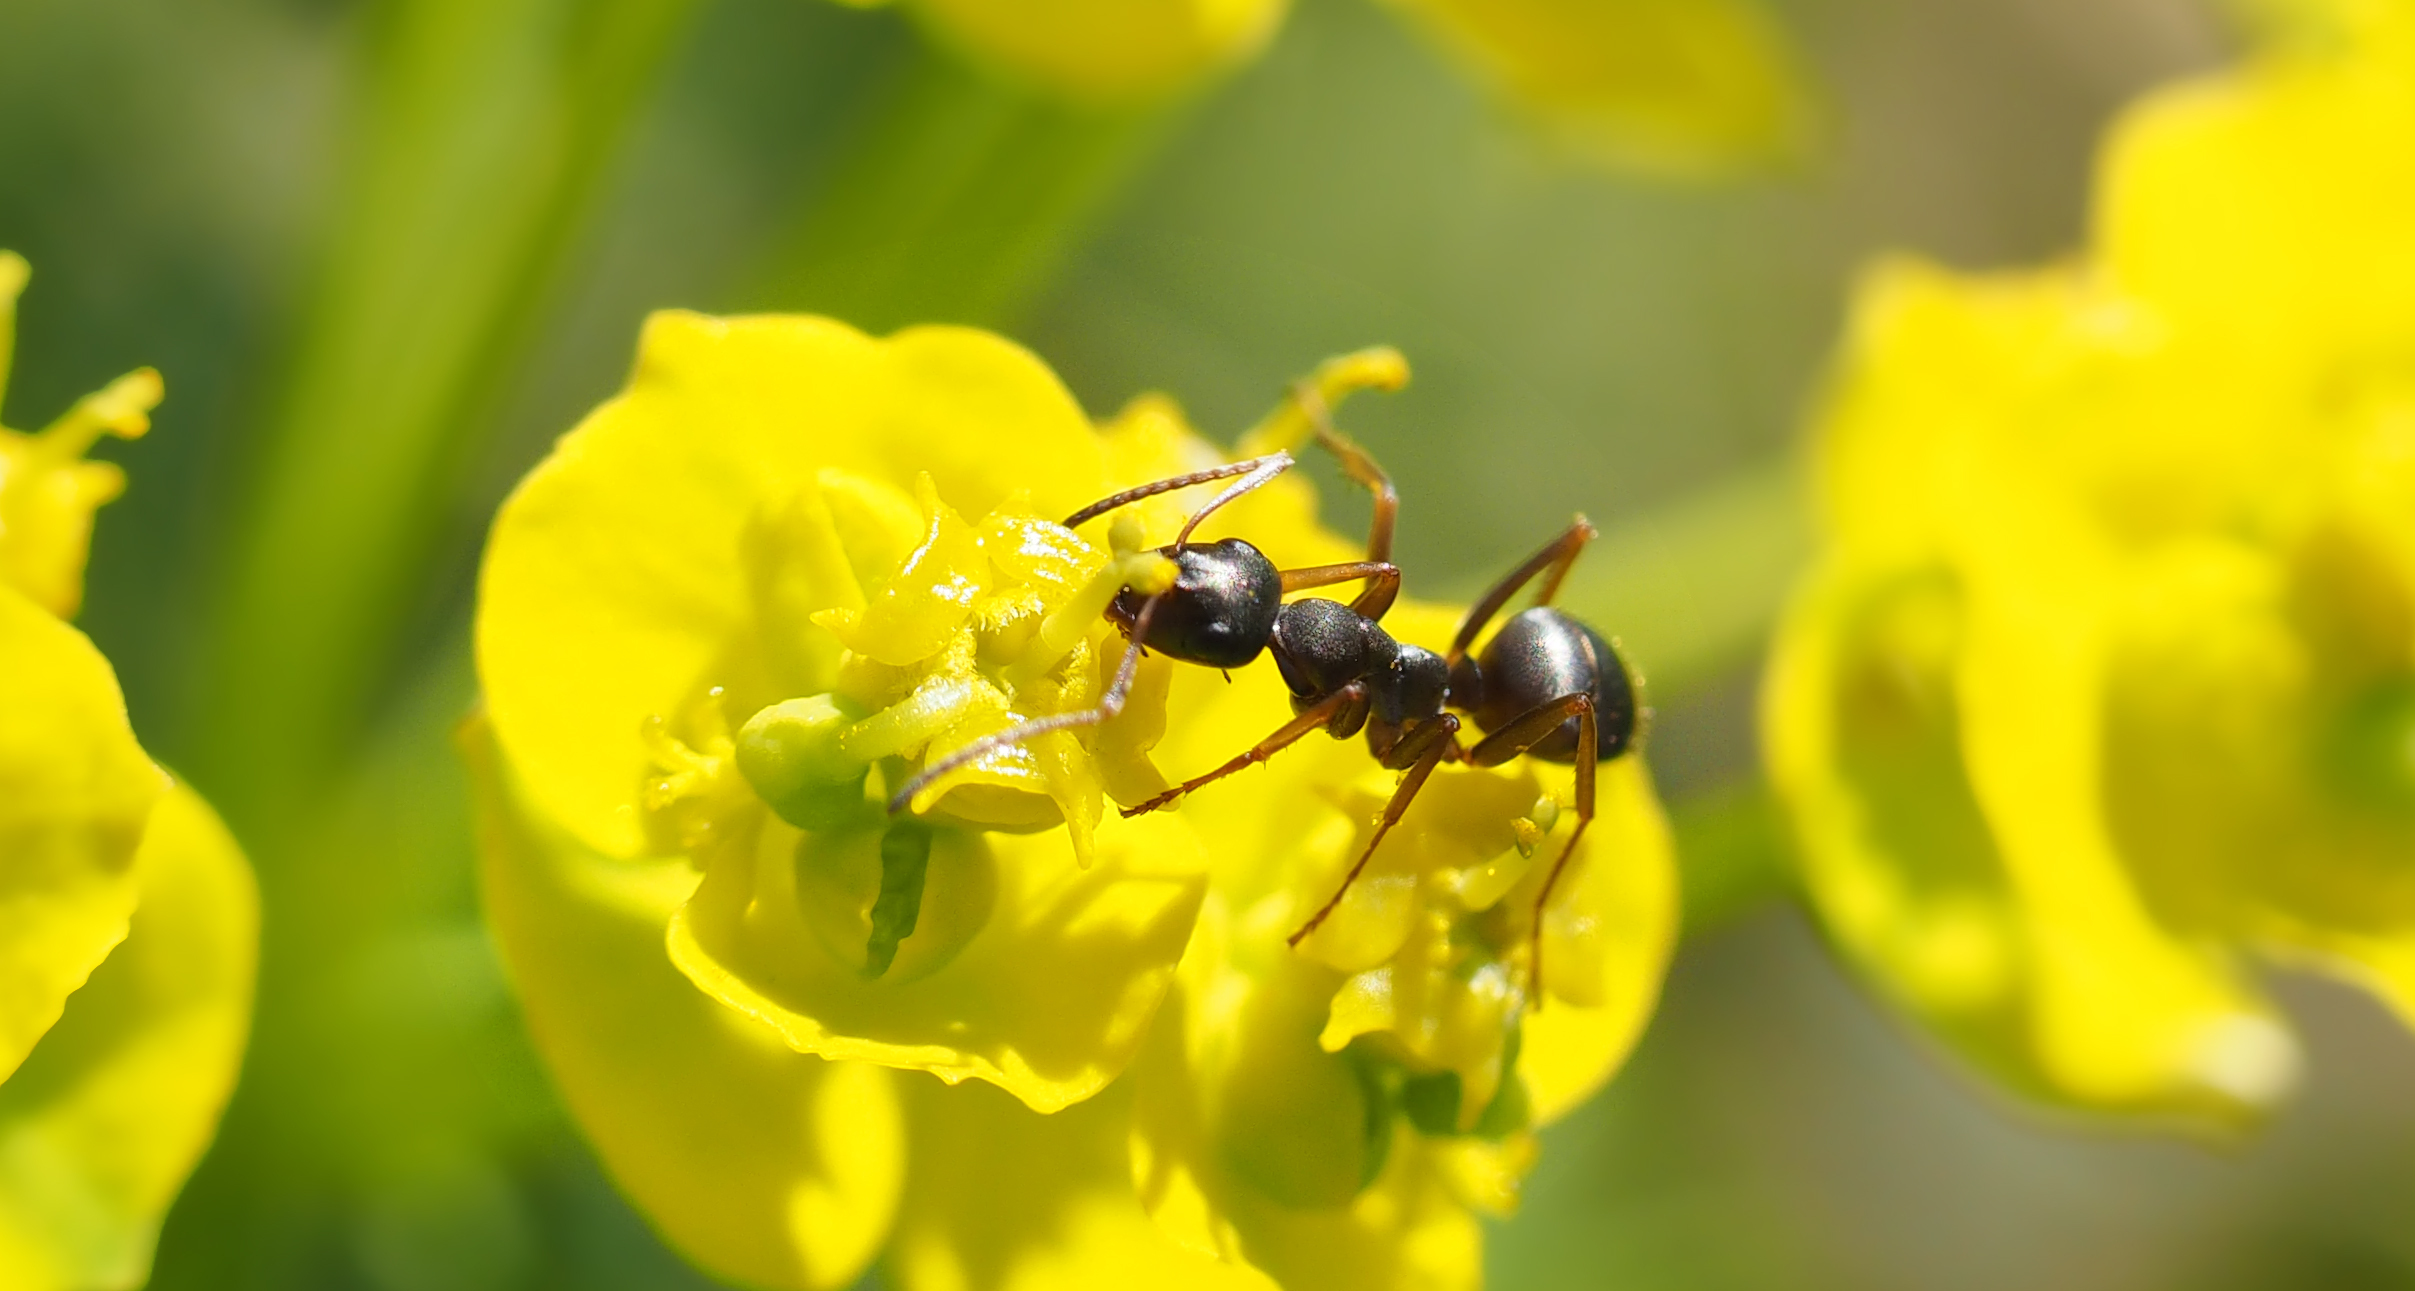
790	753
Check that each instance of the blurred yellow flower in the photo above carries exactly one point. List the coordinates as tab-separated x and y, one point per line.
2107	674
1679	87
790	556
128	922
1676	86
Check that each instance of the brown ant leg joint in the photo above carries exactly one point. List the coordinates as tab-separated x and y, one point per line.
1441	740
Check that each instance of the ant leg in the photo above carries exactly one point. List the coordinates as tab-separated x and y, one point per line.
1383	583
1108	706
1306	410
1520	735
1267	470
1290	733
1288	424
1555	557
1360	466
1429	745
1254	472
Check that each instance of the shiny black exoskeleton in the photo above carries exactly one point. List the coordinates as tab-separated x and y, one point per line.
1545	685
1221	610
1226	605
1344	669
1536	656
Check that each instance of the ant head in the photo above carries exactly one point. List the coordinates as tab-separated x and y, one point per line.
1220	611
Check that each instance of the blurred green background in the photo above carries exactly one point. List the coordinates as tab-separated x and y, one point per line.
191	181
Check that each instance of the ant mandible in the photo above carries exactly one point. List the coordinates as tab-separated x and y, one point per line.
1545	685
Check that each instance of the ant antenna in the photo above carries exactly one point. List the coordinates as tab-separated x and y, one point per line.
1109	705
1255	472
1273	466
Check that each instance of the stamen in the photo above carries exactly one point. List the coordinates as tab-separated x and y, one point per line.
1145	572
121	408
1311	400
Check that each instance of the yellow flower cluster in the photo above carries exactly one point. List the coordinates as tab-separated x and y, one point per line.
128	921
2107	675
1671	85
791	565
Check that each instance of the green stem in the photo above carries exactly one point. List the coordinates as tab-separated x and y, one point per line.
1734	854
479	152
13	271
957	201
486	128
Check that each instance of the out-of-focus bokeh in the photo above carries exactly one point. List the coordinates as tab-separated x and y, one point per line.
185	177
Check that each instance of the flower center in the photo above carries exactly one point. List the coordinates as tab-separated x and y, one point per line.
888	631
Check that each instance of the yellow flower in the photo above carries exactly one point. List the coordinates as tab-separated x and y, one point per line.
745	602
703	621
1677	86
1340	1115
764	1165
2103	679
660	634
127	916
1681	87
776	1168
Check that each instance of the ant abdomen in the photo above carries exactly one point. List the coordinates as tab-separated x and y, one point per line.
1536	657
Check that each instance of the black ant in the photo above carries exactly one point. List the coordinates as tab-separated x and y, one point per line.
1546	685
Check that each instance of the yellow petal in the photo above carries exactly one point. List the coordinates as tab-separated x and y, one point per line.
1025	970
615	588
1615	919
919	607
2384	965
1003	1199
1295	828
1103	50
1938	770
2219	779
2256	768
2128	1010
761	1164
75	791
1409	1228
2267	205
102	1123
1683	86
2106	679
1250	1142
